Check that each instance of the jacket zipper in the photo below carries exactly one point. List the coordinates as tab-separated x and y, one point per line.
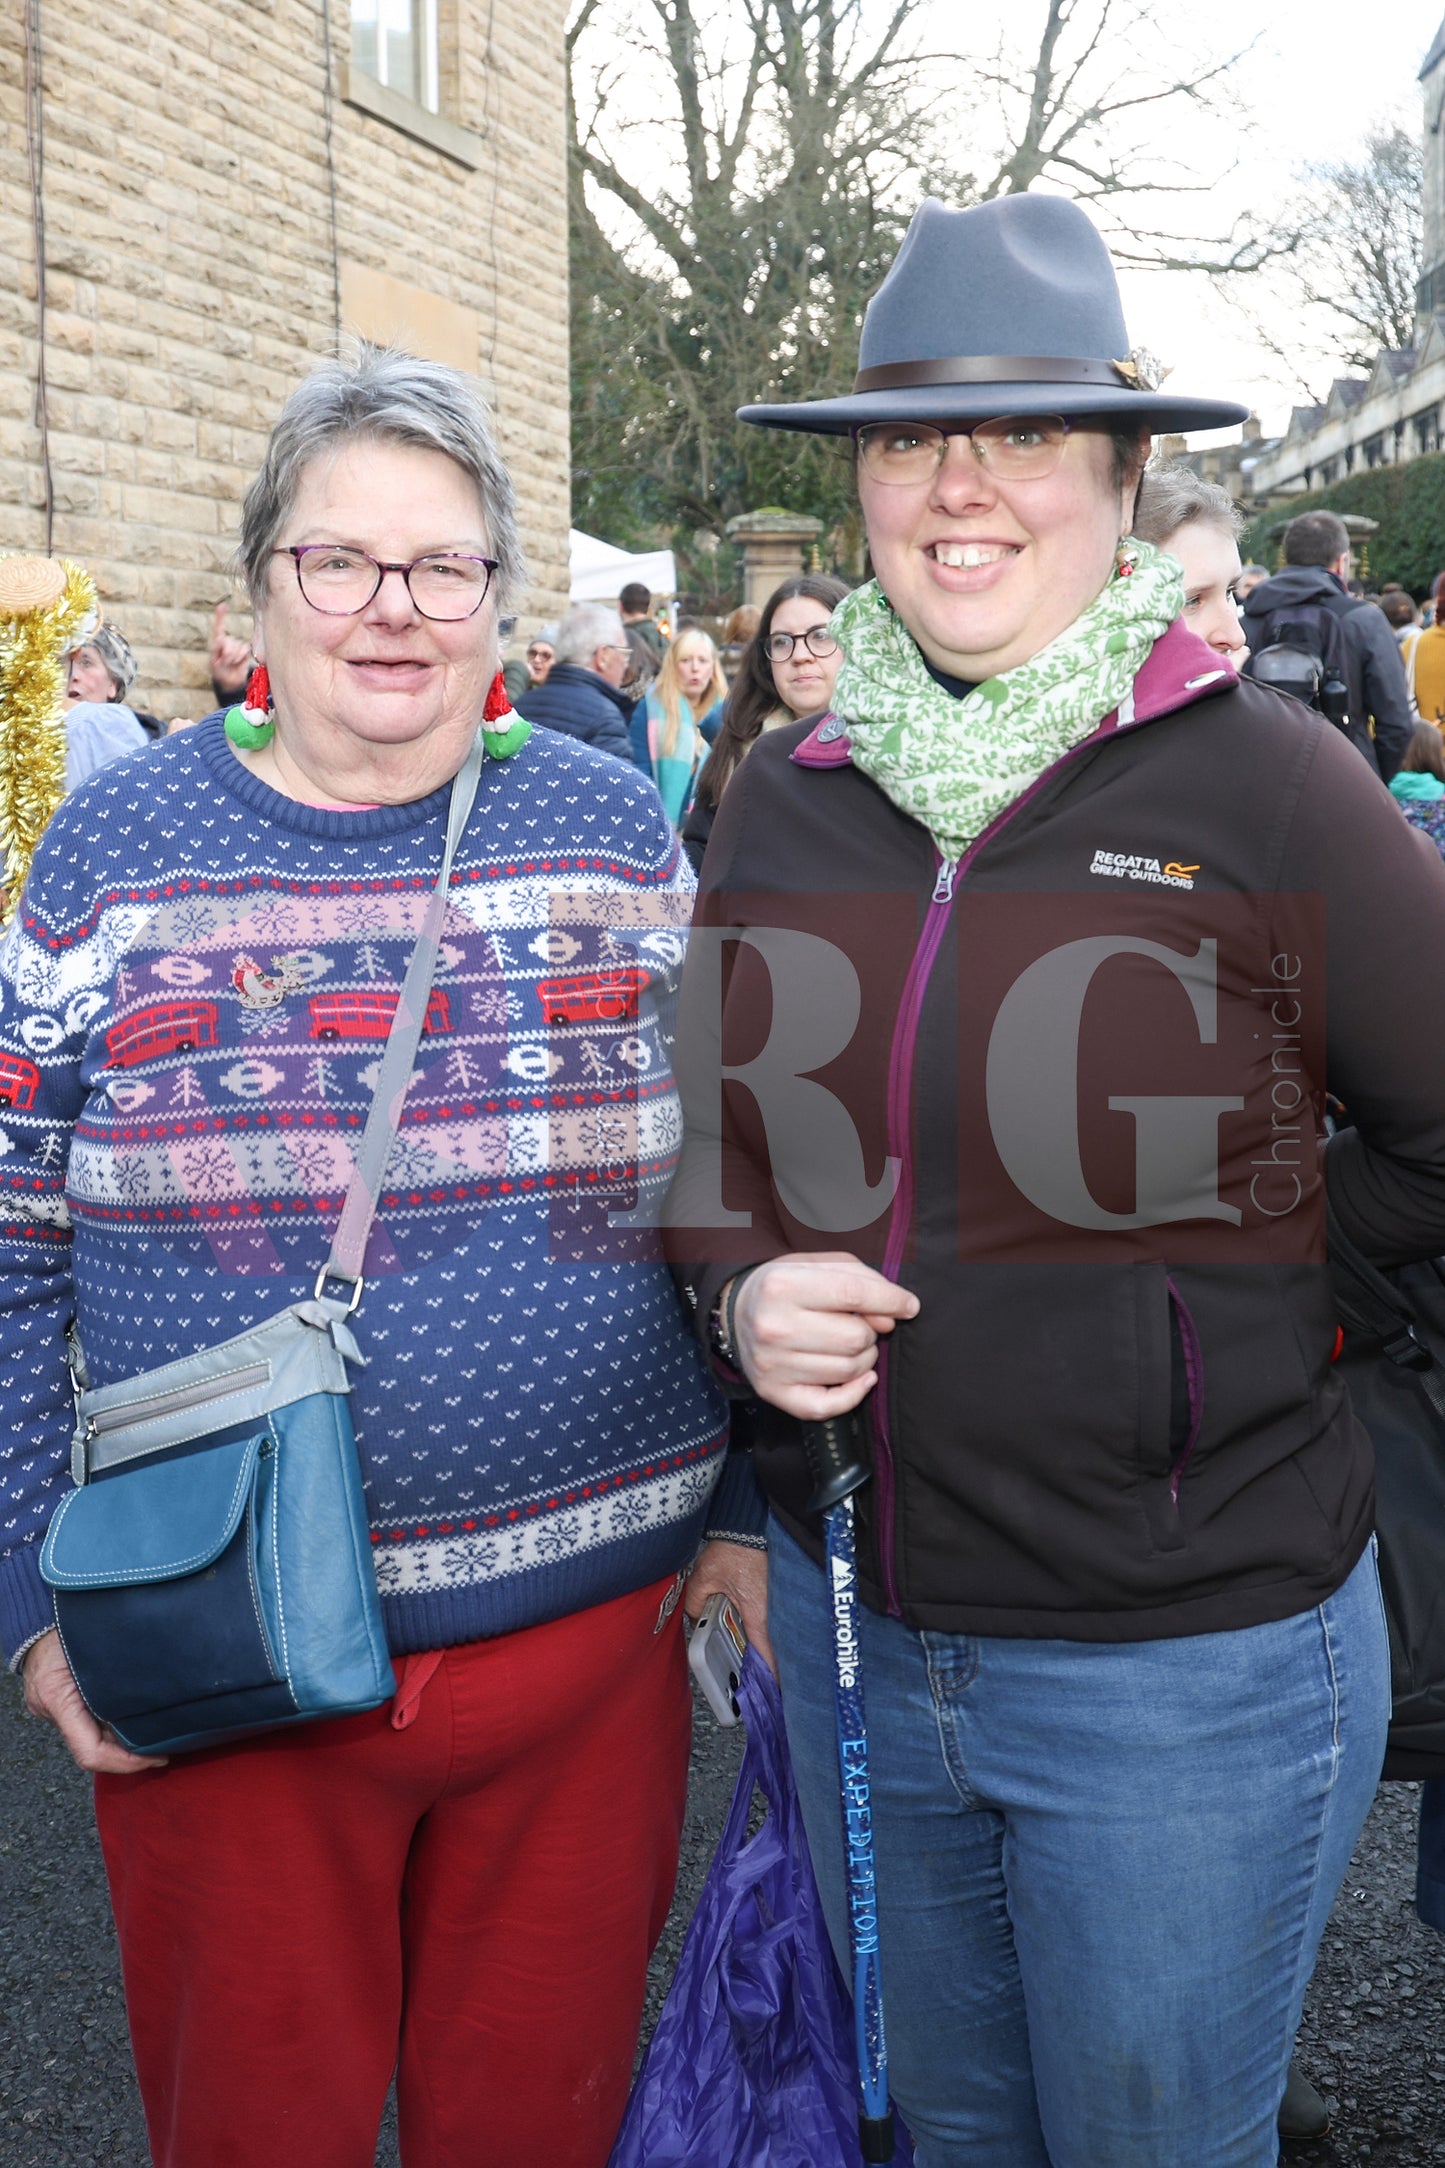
1194	1377
900	1095
900	1103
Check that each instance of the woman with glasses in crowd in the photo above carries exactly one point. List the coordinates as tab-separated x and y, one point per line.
1036	955
787	671
462	1887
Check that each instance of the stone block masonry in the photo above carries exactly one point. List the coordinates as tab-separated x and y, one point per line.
191	276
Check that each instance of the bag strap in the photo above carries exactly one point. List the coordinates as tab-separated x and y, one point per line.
1371	1304
1368	1302
399	1055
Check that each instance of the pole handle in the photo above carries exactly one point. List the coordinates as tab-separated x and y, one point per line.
837	1457
876	2139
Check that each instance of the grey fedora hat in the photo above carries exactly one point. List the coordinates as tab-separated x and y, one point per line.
1010	308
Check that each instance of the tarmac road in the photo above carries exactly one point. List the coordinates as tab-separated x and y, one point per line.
1373	2037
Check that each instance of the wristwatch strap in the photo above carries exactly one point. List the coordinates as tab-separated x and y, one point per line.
722	1323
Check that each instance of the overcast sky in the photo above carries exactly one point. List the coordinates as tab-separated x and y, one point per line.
1322	71
1319	73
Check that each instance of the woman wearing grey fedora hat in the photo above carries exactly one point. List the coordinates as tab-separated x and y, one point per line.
1024	967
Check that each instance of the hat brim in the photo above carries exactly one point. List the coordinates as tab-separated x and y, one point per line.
1159	411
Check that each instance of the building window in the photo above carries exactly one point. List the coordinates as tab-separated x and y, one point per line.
395	42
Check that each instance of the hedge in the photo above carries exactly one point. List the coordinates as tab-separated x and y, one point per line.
1407	500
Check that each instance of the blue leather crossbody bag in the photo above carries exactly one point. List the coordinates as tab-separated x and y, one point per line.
211	1569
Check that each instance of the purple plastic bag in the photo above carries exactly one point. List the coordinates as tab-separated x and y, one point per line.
751	2065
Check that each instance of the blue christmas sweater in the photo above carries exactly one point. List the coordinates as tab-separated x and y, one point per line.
192	1008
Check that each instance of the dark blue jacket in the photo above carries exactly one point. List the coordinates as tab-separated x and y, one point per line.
1373	669
583	705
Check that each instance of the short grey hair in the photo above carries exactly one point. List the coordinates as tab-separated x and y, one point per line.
114	650
584	629
1172	496
392	397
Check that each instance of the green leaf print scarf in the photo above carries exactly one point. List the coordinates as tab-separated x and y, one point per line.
955	764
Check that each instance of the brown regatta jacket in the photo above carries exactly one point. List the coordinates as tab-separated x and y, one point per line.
1071	1092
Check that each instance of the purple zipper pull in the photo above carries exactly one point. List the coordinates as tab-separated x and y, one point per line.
943	886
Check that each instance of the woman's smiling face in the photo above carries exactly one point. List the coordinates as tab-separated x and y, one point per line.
385	676
984	573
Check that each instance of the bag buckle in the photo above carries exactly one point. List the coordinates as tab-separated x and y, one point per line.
1409	1350
357	1287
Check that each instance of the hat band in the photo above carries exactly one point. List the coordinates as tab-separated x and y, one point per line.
991	369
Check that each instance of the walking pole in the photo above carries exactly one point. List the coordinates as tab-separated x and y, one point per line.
839	1467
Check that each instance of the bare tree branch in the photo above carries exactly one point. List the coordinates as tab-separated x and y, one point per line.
1348	252
742	173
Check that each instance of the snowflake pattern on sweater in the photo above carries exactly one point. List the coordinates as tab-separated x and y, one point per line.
192	1010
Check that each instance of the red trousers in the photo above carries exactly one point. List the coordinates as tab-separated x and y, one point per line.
469	1902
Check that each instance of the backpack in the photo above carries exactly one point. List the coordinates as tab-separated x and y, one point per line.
1393	1360
1300	649
642	663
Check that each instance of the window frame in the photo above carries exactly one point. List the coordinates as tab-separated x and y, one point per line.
425	31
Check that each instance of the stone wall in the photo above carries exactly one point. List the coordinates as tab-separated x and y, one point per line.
191	275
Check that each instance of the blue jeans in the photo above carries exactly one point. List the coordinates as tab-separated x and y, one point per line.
1103	1868
1430	1873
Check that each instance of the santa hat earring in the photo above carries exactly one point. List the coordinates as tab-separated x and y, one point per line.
251	725
501	744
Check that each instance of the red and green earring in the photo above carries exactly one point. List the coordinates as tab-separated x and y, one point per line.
501	744
252	725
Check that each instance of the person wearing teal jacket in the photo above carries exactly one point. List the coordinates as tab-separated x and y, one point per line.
678	717
1419	784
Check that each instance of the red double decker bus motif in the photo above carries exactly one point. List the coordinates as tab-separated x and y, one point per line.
170	1027
19	1081
591	996
365	1012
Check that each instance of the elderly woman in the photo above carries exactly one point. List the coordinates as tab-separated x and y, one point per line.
101	669
1198	524
463	1886
99	725
541	654
1025	1190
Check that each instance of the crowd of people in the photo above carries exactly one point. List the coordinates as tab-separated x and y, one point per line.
1044	1239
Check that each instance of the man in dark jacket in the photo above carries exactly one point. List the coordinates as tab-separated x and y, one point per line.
1316	568
582	692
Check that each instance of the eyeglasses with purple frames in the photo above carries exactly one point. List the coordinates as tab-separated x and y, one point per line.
445	586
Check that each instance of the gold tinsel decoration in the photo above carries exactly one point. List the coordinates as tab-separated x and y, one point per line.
44	603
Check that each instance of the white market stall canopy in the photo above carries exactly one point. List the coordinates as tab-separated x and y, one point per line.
599	571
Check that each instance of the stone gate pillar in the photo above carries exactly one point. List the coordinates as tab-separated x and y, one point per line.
774	546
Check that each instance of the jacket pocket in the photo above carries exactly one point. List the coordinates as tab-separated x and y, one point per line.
1170	1404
